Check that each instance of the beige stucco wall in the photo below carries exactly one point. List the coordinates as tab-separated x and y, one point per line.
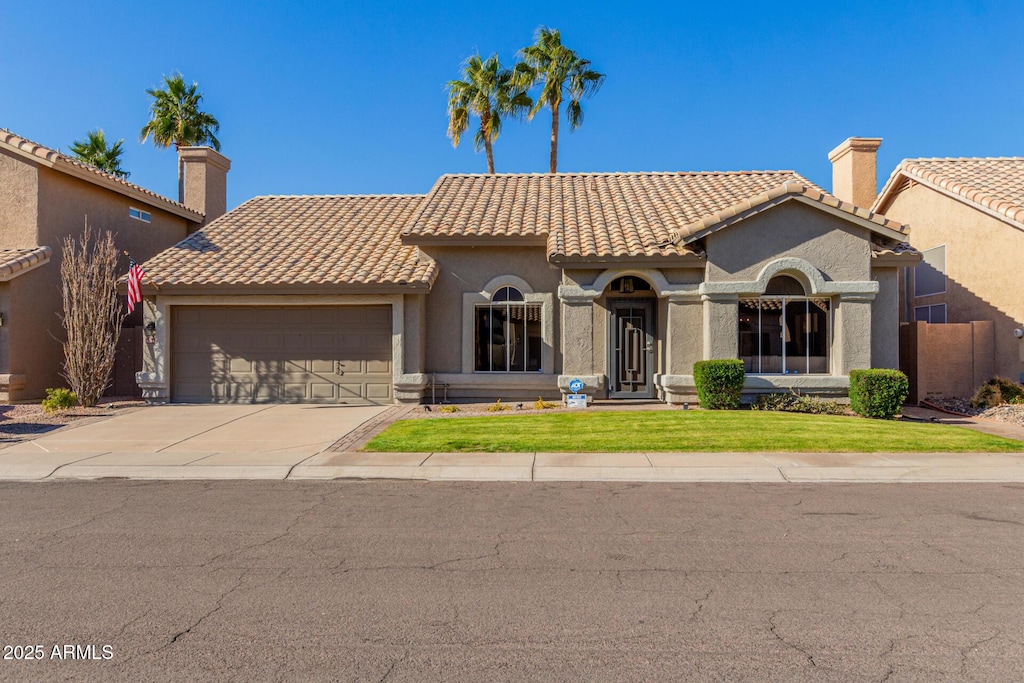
18	202
983	265
468	270
885	319
63	204
836	247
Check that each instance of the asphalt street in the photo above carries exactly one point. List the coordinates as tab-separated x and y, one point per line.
412	581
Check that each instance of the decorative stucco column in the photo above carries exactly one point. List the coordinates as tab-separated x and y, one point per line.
577	326
853	332
153	380
684	345
721	325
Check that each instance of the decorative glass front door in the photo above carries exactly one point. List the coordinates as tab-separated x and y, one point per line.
631	349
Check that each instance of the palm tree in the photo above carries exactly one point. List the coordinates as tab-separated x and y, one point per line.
488	92
175	118
563	74
95	152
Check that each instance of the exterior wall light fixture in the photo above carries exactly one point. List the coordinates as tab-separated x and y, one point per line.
150	332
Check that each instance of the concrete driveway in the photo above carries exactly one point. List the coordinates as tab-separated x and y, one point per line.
270	439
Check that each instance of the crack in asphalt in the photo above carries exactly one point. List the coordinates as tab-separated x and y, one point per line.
393	665
773	630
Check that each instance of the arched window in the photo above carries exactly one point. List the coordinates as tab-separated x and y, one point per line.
508	333
785	331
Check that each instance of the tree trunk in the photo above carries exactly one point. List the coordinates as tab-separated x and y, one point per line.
485	131
554	137
181	174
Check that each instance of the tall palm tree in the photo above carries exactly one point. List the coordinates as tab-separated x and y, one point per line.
175	118
488	92
94	151
564	74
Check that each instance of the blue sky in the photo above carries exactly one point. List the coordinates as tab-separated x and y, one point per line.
346	98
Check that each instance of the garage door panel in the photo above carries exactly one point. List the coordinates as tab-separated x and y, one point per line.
378	366
322	390
239	365
257	354
378	391
323	341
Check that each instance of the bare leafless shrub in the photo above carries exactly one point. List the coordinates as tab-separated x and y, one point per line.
92	312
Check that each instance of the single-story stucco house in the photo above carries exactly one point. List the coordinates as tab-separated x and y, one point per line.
510	286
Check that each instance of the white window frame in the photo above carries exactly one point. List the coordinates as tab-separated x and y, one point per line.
472	300
140	215
786	299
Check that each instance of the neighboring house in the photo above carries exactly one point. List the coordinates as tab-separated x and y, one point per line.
966	215
510	286
46	196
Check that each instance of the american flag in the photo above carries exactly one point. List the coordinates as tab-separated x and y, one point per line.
135	275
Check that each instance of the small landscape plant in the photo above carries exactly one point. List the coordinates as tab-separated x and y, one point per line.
797	403
58	399
449	409
541	404
878	392
719	383
497	407
997	391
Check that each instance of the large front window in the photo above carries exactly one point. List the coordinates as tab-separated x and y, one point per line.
508	334
784	334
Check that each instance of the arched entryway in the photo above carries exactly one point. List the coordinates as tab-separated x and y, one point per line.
631	302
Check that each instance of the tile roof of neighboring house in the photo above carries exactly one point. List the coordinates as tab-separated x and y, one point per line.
71	165
339	240
14	262
588	215
995	185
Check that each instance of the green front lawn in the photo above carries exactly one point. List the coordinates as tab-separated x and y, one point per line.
694	430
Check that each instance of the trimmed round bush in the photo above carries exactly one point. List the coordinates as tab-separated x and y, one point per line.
877	392
719	383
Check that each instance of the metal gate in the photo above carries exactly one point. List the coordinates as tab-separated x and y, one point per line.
631	349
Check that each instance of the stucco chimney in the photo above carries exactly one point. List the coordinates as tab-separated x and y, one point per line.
853	171
204	181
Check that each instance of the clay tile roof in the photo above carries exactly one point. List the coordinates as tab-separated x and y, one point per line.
608	214
994	184
14	261
63	161
327	240
892	248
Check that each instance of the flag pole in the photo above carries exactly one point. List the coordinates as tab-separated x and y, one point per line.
157	288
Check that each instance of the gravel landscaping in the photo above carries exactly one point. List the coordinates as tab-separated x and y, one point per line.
1011	413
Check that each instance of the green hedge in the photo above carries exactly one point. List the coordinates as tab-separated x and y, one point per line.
719	383
878	393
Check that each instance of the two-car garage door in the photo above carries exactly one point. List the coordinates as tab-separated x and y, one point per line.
257	354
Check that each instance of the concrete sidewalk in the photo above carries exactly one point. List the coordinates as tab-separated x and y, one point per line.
25	465
322	442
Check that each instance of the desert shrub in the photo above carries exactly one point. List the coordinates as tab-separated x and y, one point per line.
997	391
449	409
541	404
57	400
719	383
773	402
797	403
816	406
877	392
497	407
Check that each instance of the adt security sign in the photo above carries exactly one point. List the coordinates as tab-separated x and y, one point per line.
575	399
